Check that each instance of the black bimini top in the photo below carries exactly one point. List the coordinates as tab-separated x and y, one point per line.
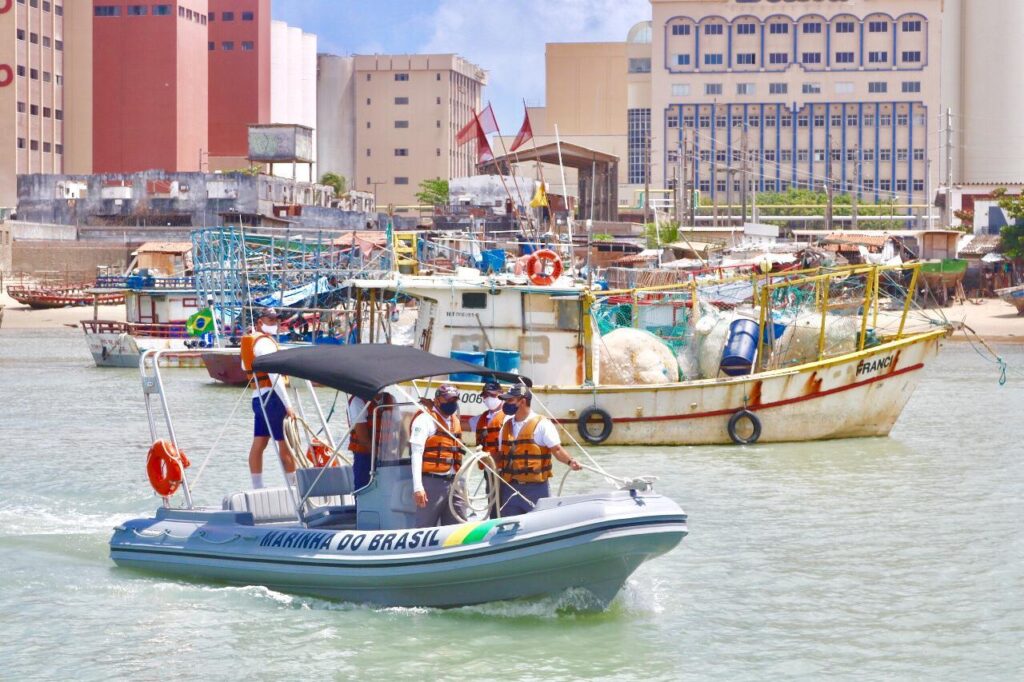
365	369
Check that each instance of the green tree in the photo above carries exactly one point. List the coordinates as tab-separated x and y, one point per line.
802	202
336	181
1012	236
433	192
668	233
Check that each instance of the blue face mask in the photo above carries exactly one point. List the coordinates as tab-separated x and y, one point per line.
509	408
448	409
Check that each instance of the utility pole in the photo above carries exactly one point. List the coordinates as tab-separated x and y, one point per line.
828	183
693	183
647	178
745	175
949	169
856	192
685	189
680	192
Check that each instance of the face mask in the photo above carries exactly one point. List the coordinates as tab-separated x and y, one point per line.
509	408
448	409
492	403
269	329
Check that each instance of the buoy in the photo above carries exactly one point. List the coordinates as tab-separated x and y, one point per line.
537	267
165	466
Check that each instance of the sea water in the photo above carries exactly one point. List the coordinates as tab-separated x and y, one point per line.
884	558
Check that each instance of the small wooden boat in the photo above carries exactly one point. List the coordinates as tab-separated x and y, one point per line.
1014	296
61	297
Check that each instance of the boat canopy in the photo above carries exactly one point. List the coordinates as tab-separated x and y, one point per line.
365	369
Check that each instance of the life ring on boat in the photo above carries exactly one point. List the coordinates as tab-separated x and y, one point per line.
165	466
755	425
583	425
319	453
537	267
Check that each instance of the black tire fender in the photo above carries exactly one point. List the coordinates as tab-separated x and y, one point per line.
734	421
606	425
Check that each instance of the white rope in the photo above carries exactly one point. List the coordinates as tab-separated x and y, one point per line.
195	480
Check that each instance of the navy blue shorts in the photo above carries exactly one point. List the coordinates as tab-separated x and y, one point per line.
275	412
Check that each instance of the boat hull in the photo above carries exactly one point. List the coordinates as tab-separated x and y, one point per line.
124	350
1014	296
592	544
226	367
855	395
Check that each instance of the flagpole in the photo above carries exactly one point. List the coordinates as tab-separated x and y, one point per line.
565	196
512	174
493	161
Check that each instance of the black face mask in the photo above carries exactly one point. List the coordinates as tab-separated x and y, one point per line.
448	409
509	408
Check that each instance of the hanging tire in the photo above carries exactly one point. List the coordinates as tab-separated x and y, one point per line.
583	425
755	425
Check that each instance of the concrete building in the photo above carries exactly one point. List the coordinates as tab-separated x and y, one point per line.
293	89
31	92
406	111
240	48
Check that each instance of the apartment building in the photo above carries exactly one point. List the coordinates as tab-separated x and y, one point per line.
31	91
405	112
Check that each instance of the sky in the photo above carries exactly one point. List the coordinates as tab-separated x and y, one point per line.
504	37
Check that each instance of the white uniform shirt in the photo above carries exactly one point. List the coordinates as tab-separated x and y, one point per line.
423	427
545	435
265	345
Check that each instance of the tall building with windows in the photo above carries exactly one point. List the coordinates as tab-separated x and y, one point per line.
408	109
792	95
31	91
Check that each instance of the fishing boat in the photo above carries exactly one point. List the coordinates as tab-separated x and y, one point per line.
325	538
38	297
773	373
1014	296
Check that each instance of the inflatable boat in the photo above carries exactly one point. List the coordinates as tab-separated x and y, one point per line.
325	538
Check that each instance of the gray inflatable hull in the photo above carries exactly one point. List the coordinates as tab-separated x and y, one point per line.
591	543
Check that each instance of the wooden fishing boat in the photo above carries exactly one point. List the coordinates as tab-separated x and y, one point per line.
61	297
1014	296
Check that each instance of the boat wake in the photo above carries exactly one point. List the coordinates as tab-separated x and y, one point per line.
53	517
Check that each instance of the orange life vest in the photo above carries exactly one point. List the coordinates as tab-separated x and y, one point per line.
248	348
521	459
355	443
487	431
441	453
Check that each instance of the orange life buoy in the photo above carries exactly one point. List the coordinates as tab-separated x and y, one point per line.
319	453
537	267
165	465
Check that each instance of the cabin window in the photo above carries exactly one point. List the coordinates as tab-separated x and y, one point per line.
474	301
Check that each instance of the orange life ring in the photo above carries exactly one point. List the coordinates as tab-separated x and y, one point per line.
165	465
537	266
319	453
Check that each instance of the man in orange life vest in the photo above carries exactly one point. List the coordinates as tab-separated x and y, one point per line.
436	456
526	444
270	390
361	439
487	424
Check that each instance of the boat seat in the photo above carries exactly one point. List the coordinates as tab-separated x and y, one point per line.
330	482
267	505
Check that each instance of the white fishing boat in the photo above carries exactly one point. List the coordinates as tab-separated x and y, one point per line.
798	379
1014	296
326	538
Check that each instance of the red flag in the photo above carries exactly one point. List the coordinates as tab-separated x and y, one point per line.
525	132
470	131
487	120
483	146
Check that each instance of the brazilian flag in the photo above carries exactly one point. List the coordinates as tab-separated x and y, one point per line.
200	323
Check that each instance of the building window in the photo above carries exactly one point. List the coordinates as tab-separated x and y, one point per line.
248	45
885	120
844	88
680	90
58	45
20	33
803	120
680	30
247	16
33	145
181	11
227	16
902	154
912	86
885	155
844	27
778	58
812	88
803	156
21	107
868	155
212	16
401	124
885	185
46	41
107	11
33	38
778	88
59	148
704	121
810	58
687	121
878	57
778	29
786	121
21	69
227	45
21	143
902	119
786	155
836	120
844	58
401	151
712	88
47	112
161	10
878	27
769	154
911	26
58	114
367	125
33	74
746	58
919	154
33	109
918	185
640	65
211	46
746	29
401	180
745	89
878	87
401	100
901	185
638	132
851	120
47	147
401	76
812	28
438	100
912	56
720	121
368	152
819	120
672	119
713	30
438	123
682	60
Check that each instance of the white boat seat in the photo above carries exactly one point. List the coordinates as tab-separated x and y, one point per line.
330	482
267	505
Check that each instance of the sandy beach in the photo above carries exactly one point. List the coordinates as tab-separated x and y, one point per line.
18	316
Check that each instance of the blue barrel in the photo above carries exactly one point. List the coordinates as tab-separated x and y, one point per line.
502	360
741	348
471	357
778	330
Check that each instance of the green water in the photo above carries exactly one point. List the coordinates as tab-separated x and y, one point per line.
890	558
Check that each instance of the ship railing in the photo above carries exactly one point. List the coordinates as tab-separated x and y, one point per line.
174	330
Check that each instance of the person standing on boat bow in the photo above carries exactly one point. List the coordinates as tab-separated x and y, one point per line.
487	424
270	402
434	443
526	444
